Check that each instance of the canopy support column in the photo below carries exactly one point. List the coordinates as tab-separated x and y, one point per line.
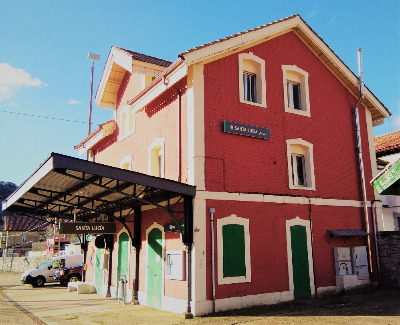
136	242
187	239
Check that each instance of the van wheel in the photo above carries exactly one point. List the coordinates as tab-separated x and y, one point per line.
39	281
74	278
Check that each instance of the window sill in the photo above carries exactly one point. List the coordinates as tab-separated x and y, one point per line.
298	111
306	188
231	280
253	103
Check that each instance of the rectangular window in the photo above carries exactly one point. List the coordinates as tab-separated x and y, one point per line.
294	95
131	122
298	170
249	87
234	263
123	123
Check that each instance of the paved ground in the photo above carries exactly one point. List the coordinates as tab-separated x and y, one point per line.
52	304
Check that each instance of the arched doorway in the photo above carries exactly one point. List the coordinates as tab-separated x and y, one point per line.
154	271
123	255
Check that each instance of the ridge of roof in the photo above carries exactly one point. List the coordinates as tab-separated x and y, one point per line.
144	57
237	34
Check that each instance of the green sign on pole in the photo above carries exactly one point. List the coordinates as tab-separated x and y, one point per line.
386	180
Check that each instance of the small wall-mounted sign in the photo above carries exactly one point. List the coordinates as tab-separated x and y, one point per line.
88	228
172	226
247	130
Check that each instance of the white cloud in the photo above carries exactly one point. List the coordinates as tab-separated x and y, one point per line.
396	122
12	79
313	13
74	102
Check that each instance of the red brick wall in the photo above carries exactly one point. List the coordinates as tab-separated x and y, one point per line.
243	164
157	120
268	243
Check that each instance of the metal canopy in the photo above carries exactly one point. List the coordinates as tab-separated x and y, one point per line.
64	186
346	232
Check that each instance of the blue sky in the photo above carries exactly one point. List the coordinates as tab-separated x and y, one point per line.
45	72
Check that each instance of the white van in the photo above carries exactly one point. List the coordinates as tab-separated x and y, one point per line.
45	272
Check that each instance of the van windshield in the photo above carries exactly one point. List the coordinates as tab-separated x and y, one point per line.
45	264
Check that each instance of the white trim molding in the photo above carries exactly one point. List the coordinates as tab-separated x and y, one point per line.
305	223
155	225
294	74
127	159
300	146
156	147
248	62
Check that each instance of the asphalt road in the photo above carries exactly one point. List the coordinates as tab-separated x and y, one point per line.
53	305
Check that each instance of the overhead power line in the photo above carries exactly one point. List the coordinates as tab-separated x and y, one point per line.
45	117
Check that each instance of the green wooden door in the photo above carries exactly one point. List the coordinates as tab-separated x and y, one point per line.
154	271
301	275
123	256
98	272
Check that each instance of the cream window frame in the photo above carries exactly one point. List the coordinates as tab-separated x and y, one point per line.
252	64
233	219
126	122
127	159
156	157
301	147
295	75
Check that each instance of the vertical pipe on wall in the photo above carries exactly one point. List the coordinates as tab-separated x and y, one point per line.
360	158
312	246
373	206
212	211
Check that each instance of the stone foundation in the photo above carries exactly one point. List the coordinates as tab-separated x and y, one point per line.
389	256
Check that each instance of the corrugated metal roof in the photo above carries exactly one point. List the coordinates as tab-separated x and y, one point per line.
70	188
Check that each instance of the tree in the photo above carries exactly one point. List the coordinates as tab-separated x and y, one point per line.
6	188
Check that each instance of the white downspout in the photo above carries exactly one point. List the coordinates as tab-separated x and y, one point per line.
212	211
360	158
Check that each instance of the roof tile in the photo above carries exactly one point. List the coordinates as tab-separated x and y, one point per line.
387	142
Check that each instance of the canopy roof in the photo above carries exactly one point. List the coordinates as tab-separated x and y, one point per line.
64	186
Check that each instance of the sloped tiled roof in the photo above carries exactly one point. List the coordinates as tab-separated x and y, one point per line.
145	58
387	142
23	223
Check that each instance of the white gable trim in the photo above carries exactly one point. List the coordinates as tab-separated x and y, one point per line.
118	57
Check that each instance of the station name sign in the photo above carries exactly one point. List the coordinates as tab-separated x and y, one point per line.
88	228
247	130
173	227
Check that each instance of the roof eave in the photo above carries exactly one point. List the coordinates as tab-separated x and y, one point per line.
294	23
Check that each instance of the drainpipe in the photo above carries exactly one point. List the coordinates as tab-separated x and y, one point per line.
212	211
312	247
360	158
373	206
